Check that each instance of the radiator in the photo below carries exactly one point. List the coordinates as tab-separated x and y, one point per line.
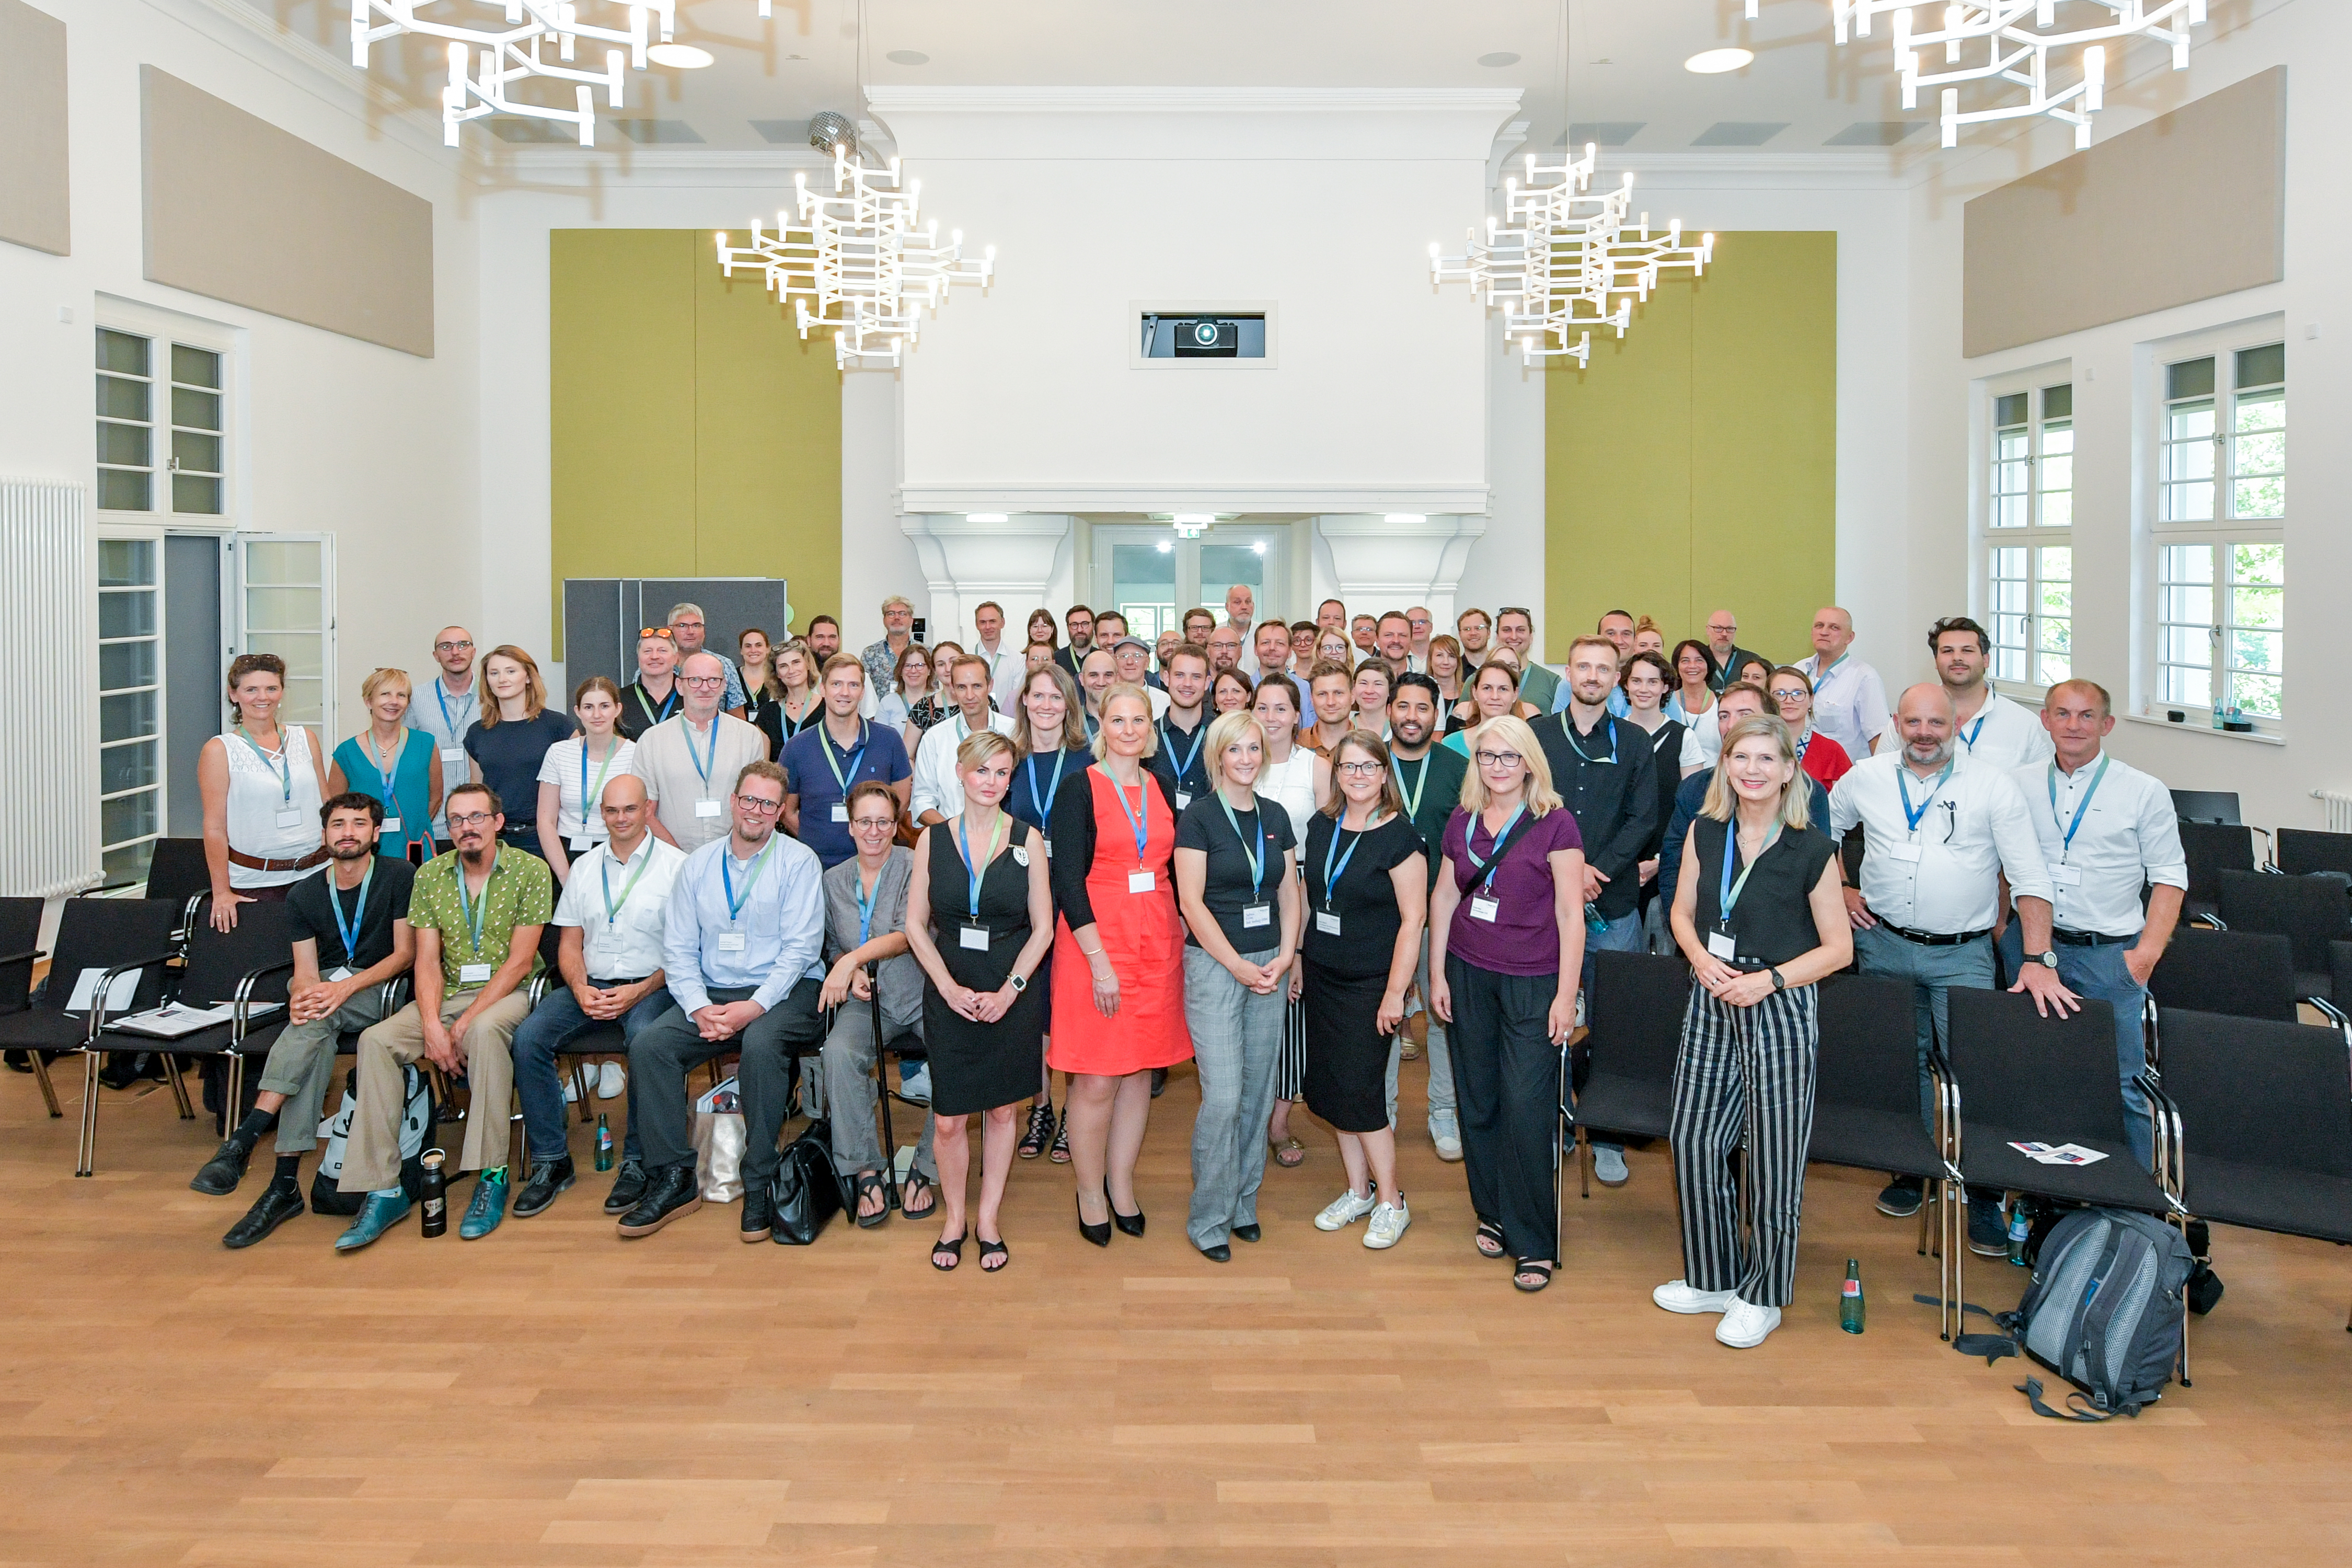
49	702
2337	805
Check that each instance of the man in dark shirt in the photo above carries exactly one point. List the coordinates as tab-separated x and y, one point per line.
1429	778
654	695
1185	728
351	935
1603	770
1079	623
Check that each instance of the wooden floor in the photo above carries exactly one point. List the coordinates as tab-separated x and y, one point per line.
554	1395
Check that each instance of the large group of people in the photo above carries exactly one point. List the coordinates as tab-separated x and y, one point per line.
1259	846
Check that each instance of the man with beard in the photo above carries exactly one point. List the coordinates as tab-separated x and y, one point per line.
1080	626
1183	728
1429	778
1993	730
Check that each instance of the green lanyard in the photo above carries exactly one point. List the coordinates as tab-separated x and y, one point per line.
974	874
1727	897
473	913
1412	801
613	907
750	878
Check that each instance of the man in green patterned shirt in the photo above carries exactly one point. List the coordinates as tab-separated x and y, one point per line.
476	912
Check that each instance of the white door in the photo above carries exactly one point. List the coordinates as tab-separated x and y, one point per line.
129	700
1153	577
285	605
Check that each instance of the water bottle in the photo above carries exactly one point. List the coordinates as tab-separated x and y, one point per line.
603	1144
2019	1230
1850	1304
434	1191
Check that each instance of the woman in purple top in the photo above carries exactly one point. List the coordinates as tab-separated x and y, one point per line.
1505	947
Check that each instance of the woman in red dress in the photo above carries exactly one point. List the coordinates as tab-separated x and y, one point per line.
1119	956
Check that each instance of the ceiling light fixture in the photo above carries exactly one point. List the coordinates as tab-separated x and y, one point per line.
681	56
858	253
2019	38
1716	62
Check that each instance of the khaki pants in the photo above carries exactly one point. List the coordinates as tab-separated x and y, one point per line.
371	1158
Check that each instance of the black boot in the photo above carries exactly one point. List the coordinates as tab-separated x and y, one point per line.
759	1213
274	1208
671	1192
548	1178
628	1188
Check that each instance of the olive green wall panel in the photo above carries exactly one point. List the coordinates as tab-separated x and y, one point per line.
692	431
1694	467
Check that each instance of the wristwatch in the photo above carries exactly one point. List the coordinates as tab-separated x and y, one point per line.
2047	959
1019	983
1780	981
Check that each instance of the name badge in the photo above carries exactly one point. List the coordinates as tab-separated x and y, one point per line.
391	824
453	753
289	818
1254	915
1021	856
2066	876
730	941
1720	946
1908	853
1047	842
1140	881
706	808
973	937
474	973
1182	800
841	811
581	844
338	974
1485	908
1327	922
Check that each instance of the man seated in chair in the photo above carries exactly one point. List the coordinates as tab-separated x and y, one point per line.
611	919
476	912
743	938
866	922
350	936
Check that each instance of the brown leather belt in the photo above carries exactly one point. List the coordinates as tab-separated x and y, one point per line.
255	863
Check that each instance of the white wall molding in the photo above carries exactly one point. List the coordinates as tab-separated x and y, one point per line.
585	169
1193	124
964	563
1147	498
1380	563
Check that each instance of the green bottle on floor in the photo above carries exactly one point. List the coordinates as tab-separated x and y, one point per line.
603	1144
1850	1305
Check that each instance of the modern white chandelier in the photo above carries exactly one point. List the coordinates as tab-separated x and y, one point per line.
1560	262
859	255
2017	39
485	61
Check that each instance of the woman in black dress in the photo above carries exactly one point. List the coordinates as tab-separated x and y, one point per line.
1366	893
1647	681
980	918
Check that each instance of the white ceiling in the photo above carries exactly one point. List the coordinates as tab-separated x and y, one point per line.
1624	65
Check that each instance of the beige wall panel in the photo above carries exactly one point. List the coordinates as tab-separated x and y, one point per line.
241	211
33	206
2190	206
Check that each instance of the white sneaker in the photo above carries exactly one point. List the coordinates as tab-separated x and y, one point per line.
915	1082
1609	1166
611	1079
1344	1211
1676	1296
1387	1225
1745	1326
571	1089
1446	1131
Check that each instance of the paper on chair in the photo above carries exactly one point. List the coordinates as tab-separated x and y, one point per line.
118	995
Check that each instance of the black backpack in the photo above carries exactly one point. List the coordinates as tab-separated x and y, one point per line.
2104	1310
418	1119
807	1190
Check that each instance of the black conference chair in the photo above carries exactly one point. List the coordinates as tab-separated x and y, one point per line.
2309	911
2250	974
902	1047
20	936
2304	850
2017	1077
2218	806
2212	848
1635	1032
603	1040
178	874
2262	1124
248	965
106	938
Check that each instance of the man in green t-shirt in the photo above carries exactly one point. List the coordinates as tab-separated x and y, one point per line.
1429	778
476	912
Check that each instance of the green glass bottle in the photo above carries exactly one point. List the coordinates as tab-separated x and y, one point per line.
1850	1305
603	1144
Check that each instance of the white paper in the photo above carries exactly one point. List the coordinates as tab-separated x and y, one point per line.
841	811
1182	800
706	808
474	974
1254	915
1327	922
453	753
172	1021
1482	909
1719	945
1909	852
289	818
2058	1153
2066	876
118	995
730	941
391	824
1140	882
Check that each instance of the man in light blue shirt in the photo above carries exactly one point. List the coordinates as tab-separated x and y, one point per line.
1617	626
741	945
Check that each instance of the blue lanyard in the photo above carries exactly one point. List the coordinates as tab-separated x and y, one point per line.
825	743
2067	845
750	878
281	767
974	874
1257	856
470	912
1969	736
605	870
588	800
866	905
1568	730
1332	874
367	738
1200	738
351	933
1044	808
441	695
654	715
1728	895
1902	783
1138	820
702	766
1495	848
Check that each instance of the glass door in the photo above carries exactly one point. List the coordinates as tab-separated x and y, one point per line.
286	603
1153	577
130	704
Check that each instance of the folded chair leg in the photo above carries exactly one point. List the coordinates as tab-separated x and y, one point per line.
1584	1161
1558	1156
890	1138
235	1075
1926	1205
41	1076
87	1149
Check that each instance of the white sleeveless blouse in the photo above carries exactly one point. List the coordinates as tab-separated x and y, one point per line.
260	795
1293	785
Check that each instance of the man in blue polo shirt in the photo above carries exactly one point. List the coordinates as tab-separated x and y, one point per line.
824	762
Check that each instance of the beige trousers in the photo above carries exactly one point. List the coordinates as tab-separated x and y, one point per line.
371	1157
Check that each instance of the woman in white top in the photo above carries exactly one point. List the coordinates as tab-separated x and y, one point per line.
1298	779
572	780
262	785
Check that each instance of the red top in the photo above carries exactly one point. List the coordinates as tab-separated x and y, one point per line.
1141	931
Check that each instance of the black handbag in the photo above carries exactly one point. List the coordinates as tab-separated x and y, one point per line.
807	1191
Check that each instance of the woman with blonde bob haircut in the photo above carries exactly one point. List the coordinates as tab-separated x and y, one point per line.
1760	914
1505	956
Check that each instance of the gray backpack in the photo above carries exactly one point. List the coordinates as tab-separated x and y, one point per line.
2104	1311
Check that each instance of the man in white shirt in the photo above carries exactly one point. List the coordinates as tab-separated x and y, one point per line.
1005	666
688	759
1941	835
1849	698
1241	611
609	967
2106	829
1994	731
456	704
938	794
1419	626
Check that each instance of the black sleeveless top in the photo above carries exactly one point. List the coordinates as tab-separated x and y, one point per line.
1771	920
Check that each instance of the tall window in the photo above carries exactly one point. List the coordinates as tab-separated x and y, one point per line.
160	426
2029	535
130	704
2221	533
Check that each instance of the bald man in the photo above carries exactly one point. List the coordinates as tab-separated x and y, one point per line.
1849	698
610	918
447	708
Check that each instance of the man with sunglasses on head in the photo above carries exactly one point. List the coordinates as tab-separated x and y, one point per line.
686	759
742	942
446	709
654	695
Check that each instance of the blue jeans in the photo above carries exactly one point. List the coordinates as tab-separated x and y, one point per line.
2101	972
554	1023
1623	934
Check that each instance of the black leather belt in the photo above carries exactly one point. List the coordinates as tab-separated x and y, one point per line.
2065	938
1935	939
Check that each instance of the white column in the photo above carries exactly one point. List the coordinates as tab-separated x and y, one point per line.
966	563
1392	563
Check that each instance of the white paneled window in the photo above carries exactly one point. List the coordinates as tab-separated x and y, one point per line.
2028	518
286	604
161	426
2220	532
130	704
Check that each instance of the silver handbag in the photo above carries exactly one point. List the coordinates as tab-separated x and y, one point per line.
719	1137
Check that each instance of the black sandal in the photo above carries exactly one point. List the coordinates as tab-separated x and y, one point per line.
1060	1153
870	1182
1040	1133
1488	1239
996	1248
950	1251
1527	1265
917	1185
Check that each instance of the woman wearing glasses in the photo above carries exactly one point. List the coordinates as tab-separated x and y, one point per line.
1051	744
509	742
1760	914
573	775
1119	996
1367	888
1236	884
980	918
1791	691
1506	950
910	688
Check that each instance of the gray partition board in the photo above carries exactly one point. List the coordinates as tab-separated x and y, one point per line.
34	211
602	617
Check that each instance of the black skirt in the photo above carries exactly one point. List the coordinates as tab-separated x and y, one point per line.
1347	1055
979	1067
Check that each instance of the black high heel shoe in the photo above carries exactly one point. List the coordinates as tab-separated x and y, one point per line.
1098	1234
1129	1224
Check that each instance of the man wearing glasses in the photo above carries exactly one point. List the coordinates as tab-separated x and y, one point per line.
688	627
477	913
742	939
1420	623
881	658
1472	628
826	761
446	710
1725	653
686	759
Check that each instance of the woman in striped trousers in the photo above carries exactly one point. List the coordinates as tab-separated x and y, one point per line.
1759	914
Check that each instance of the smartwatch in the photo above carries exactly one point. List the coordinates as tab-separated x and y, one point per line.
1019	984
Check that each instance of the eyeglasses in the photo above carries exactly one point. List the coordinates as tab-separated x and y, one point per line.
643	632
473	819
873	823
451	646
1790	694
1499	758
752	802
702	680
1360	770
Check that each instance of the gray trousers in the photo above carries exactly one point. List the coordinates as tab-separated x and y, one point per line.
1236	1034
1737	1063
302	1067
846	1068
663	1054
1439	1056
1933	971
